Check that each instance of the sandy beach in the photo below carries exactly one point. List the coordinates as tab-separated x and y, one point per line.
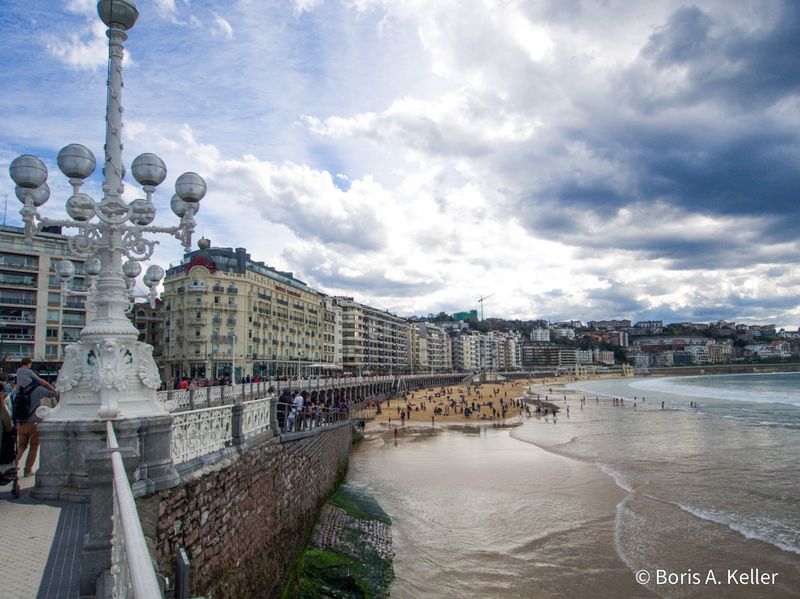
485	402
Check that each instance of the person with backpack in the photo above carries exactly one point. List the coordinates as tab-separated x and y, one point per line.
31	390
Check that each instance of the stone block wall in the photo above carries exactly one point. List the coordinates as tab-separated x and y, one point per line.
244	520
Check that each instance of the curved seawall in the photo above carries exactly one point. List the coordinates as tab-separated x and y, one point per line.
244	520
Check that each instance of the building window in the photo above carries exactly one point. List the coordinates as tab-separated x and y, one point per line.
52	333
216	299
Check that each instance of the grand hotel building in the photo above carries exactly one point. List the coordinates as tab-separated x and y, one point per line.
225	311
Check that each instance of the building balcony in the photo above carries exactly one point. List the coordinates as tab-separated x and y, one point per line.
15	318
17	337
232	290
19	301
218	288
6	282
19	265
197	288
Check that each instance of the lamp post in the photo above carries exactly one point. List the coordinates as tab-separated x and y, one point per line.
108	374
233	358
300	355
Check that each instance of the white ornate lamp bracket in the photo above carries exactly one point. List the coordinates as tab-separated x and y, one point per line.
113	235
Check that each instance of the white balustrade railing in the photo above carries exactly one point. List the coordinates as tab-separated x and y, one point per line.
181	398
256	416
215	395
131	565
224	394
200	432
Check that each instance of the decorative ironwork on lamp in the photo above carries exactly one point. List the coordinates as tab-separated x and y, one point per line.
113	235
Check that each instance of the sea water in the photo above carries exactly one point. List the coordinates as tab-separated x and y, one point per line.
582	506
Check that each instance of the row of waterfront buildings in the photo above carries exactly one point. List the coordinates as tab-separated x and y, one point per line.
223	312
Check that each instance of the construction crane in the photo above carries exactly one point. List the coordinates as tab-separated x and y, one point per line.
481	303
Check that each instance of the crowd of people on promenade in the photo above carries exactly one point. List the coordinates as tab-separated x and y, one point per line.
300	410
195	382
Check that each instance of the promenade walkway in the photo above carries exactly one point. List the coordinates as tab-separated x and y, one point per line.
42	543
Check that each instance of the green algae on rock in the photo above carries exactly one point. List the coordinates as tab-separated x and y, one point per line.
350	551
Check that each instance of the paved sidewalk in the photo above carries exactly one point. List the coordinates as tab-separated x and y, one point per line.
42	541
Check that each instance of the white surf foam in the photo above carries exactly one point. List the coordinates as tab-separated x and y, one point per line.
672	386
744	530
619	478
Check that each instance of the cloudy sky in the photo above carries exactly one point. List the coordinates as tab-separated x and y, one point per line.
577	159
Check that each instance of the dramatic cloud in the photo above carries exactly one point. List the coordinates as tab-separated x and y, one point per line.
577	159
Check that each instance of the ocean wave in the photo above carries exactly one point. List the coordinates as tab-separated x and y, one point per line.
619	478
672	386
744	530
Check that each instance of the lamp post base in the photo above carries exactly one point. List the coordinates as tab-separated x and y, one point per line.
65	445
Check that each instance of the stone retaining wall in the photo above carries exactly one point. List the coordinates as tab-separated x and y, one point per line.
244	521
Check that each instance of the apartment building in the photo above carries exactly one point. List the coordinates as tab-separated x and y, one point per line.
373	340
720	353
466	351
34	319
508	350
417	348
332	332
594	356
618	338
429	348
226	313
540	335
549	355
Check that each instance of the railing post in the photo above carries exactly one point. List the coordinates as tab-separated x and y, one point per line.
97	542
191	399
182	575
237	412
273	416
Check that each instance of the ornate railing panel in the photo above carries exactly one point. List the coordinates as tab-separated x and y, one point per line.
200	432
215	395
256	416
181	398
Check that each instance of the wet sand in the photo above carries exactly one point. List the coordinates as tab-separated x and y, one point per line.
477	513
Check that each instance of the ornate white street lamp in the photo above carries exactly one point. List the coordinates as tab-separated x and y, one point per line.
108	373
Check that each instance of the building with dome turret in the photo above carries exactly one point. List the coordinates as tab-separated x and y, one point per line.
226	313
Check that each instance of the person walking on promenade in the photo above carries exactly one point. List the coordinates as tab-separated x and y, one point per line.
37	389
298	411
